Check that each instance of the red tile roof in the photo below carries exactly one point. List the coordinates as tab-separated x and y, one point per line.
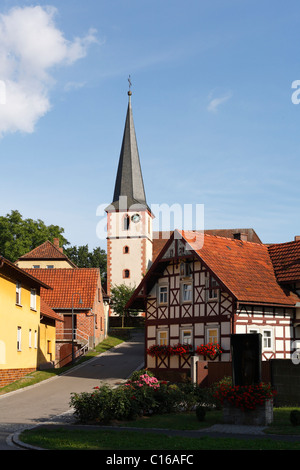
245	268
286	261
48	312
161	238
66	283
46	250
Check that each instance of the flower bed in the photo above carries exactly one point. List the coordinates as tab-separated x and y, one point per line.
142	395
158	350
246	405
246	397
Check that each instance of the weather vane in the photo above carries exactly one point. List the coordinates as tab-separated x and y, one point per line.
129	81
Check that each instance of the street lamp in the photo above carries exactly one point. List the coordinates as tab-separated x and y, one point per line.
80	303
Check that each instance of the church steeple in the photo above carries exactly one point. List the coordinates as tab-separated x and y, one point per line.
129	181
129	219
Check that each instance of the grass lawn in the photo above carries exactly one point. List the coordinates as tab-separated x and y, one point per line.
103	439
39	376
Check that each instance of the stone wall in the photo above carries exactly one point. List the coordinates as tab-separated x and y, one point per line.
261	416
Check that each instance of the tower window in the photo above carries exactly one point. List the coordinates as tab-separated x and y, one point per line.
126	250
126	222
126	274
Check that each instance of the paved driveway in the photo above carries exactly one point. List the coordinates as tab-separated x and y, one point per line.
45	401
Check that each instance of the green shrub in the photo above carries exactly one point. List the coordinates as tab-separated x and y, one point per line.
143	394
295	417
93	407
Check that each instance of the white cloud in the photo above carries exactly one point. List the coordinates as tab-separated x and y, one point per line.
216	102
31	46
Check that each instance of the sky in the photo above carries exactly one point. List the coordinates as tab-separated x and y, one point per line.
215	103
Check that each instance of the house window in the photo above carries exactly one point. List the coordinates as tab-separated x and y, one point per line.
162	338
267	336
267	339
29	339
33	299
163	294
18	293
186	292
126	250
185	269
186	336
212	335
36	266
35	339
50	266
126	274
212	293
19	337
126	222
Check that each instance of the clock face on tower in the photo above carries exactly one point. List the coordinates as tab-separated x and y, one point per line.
135	218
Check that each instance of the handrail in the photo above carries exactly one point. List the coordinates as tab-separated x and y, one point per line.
68	333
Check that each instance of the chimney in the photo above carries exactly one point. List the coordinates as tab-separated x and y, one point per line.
56	244
240	236
297	238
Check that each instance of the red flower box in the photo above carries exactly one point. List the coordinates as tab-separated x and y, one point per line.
165	350
211	350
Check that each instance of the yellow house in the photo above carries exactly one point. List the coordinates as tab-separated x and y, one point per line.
20	323
47	336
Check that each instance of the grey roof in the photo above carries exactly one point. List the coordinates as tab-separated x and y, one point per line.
129	181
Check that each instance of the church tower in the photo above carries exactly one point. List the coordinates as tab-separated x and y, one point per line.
129	219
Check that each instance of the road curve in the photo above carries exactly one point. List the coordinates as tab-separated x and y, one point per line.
45	401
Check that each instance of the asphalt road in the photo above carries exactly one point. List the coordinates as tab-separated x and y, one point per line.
50	400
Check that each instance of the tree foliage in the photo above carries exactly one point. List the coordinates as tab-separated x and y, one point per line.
83	258
19	236
119	298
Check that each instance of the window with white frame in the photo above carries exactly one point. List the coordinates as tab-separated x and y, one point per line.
163	292
18	293
33	299
162	337
35	339
19	338
212	334
267	338
186	336
186	292
29	338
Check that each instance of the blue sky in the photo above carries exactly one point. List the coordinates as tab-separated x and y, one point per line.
212	88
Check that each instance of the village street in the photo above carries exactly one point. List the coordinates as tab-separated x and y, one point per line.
50	400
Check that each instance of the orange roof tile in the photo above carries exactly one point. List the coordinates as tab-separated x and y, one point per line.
48	312
286	261
245	268
66	283
161	238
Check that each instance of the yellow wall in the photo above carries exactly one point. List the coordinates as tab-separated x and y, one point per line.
46	344
57	264
13	316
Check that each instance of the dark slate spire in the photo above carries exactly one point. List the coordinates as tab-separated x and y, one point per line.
129	180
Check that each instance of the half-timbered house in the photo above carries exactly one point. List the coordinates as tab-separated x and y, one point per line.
202	288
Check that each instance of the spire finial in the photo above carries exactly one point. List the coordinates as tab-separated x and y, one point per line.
129	81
